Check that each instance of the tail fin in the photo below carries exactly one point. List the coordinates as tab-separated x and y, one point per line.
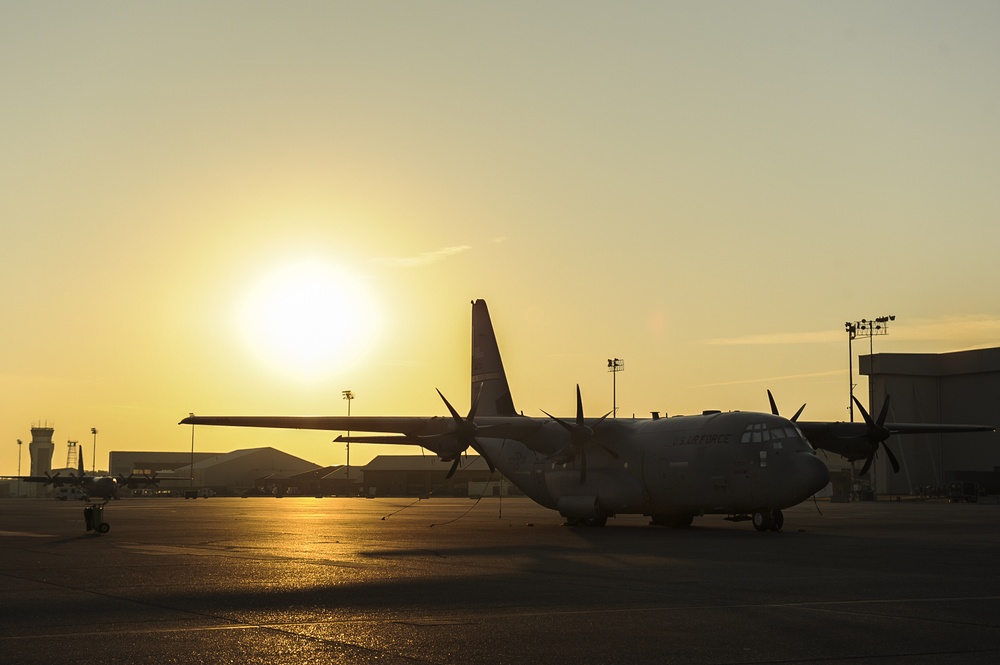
79	459
487	367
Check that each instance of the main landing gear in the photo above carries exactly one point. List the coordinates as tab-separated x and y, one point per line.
93	515
599	520
764	519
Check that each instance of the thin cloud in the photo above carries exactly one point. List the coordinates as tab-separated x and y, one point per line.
774	379
423	259
778	339
955	330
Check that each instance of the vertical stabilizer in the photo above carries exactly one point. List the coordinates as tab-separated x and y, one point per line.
487	367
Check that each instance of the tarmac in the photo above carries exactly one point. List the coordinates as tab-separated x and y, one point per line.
352	580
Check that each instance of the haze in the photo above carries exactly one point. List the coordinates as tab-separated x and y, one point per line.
248	207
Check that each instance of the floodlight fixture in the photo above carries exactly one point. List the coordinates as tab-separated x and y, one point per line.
864	328
615	365
349	396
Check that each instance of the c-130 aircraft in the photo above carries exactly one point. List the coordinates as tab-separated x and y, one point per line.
746	465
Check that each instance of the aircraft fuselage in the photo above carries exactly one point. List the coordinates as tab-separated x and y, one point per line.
720	463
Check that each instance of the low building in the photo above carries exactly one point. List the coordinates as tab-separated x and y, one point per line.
425	475
239	470
145	463
225	473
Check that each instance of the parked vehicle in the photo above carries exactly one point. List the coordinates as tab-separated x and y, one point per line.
67	492
963	490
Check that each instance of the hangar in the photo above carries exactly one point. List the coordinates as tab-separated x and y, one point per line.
420	475
225	473
958	387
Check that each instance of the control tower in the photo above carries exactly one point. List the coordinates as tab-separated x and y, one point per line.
40	449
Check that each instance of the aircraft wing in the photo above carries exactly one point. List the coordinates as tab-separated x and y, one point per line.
56	480
411	425
393	424
852	440
409	430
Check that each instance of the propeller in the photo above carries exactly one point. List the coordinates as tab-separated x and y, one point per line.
125	480
877	434
50	479
132	480
464	433
774	407
580	436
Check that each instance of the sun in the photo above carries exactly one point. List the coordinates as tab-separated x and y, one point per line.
309	318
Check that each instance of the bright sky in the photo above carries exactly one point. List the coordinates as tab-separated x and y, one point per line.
706	190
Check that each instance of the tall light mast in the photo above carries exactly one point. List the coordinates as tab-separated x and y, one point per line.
615	365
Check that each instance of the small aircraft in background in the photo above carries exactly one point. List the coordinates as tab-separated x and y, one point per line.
98	490
745	465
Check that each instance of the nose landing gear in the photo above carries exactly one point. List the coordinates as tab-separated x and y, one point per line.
766	519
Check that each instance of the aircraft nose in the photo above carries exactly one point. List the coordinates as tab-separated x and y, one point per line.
813	472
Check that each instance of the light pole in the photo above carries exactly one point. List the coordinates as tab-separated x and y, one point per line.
852	332
864	328
349	396
192	451
615	365
93	430
19	444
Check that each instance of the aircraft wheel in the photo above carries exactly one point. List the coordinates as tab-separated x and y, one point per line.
762	519
103	527
777	520
682	522
596	521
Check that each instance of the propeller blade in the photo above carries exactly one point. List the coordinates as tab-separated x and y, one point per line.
774	408
892	458
581	435
868	463
454	467
465	431
454	413
602	419
884	412
566	426
482	453
563	455
613	454
877	434
864	413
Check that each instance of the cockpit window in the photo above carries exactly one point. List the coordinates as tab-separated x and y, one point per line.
762	433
